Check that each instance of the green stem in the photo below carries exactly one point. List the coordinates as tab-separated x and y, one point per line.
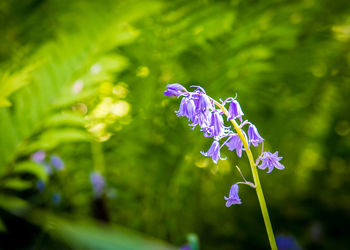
258	188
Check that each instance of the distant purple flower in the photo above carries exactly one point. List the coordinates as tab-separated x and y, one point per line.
235	110
187	108
98	183
40	185
214	152
38	156
287	243
254	136
174	89
233	197
270	161
56	198
235	143
57	162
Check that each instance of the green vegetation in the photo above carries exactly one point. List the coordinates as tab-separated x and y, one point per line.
84	81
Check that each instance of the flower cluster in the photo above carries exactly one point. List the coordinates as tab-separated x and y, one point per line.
55	161
202	110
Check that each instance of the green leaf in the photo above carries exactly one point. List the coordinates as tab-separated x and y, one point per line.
31	168
88	234
16	184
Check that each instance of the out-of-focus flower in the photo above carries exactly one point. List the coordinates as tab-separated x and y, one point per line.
214	152
287	243
38	156
57	162
254	136
270	161
56	198
233	197
98	183
40	185
174	89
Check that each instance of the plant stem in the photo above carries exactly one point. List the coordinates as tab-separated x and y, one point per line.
258	188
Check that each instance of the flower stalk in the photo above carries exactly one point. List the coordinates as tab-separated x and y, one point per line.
256	179
203	111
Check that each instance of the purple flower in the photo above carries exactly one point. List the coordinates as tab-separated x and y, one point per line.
233	197
174	89
98	183
57	162
270	161
217	128
187	108
56	198
38	156
201	119
235	111
203	104
254	136
214	152
235	143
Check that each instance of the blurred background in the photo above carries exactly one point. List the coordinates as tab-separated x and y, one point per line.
92	155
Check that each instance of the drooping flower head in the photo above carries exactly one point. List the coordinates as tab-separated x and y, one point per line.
174	89
254	136
233	197
217	127
235	111
269	160
187	108
214	152
235	143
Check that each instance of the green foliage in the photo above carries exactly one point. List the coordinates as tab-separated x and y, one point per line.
84	80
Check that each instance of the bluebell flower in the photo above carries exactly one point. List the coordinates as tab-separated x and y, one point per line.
235	143
203	104
56	198
217	127
233	197
174	89
98	183
254	136
214	152
270	161
38	156
57	162
234	110
40	185
187	108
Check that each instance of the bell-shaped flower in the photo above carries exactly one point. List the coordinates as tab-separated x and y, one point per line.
214	152
254	136
187	108
235	143
233	197
174	89
235	111
217	128
269	160
203	104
